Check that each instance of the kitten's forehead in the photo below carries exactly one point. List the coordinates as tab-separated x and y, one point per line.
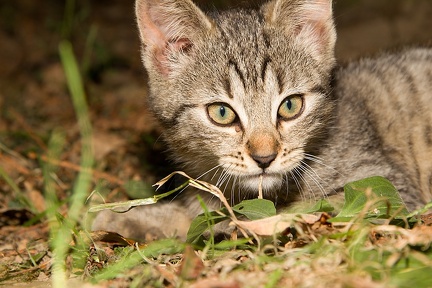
254	102
243	29
253	48
246	44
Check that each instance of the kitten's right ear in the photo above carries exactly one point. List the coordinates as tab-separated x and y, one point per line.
168	30
309	21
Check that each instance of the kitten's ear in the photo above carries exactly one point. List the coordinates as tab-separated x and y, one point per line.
310	21
168	29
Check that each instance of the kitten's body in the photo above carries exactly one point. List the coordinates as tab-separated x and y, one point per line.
383	124
369	118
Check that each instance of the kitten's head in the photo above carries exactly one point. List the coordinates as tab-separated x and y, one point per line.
244	91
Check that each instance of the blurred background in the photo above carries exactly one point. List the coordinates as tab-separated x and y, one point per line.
35	101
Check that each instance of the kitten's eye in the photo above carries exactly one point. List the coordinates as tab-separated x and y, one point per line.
291	107
221	113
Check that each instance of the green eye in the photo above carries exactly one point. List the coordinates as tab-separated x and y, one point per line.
291	107
221	113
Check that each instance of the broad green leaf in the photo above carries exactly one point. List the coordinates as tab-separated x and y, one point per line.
332	203
378	189
252	209
201	224
230	244
321	206
255	209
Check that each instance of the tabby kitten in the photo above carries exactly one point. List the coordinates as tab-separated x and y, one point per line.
245	94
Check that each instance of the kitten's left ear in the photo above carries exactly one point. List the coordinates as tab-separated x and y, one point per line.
168	27
308	21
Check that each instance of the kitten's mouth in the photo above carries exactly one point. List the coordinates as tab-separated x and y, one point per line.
268	181
265	175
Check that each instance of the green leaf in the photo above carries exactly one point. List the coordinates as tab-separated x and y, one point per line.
231	244
201	224
321	206
332	203
378	189
255	209
418	277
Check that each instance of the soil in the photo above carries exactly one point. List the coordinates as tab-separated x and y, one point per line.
35	102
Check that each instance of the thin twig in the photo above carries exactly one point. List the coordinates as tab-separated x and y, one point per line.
77	168
260	190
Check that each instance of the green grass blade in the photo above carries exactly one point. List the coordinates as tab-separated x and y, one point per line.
61	240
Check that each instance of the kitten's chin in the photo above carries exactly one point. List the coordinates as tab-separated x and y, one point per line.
270	182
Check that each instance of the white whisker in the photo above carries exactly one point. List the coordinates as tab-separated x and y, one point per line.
208	171
297	183
233	187
307	171
320	161
298	171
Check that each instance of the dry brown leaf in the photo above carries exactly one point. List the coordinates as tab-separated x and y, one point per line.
427	219
276	224
192	266
201	185
111	237
215	282
35	196
167	274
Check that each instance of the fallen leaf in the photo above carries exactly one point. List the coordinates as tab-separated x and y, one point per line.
426	219
35	197
276	224
111	237
191	266
215	282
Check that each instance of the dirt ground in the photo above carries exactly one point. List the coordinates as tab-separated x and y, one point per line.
35	102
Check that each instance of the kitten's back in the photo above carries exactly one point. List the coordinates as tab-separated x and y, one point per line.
396	92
